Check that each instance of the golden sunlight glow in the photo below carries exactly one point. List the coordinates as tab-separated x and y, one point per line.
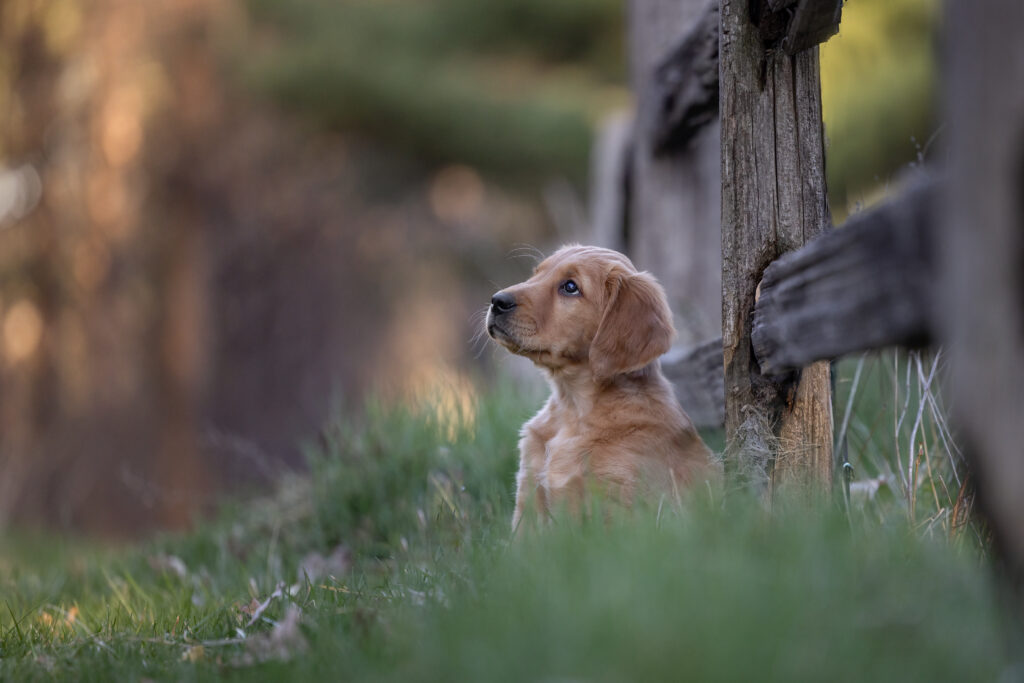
122	126
417	359
446	395
62	23
22	330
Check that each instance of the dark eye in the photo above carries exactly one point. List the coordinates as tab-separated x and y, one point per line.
570	288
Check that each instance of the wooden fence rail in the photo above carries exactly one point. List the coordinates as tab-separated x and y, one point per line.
866	285
863	286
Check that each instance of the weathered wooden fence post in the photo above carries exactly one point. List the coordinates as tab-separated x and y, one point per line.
773	200
673	212
981	300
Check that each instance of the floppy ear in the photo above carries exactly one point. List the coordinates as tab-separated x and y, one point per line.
636	327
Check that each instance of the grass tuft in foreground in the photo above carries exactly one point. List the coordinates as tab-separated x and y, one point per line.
392	561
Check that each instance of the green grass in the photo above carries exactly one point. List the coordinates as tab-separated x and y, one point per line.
414	502
891	419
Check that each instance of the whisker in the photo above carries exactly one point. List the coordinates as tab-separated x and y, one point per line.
481	345
526	251
477	336
478	341
478	315
522	255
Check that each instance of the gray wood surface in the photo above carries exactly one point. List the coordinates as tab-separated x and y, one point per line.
696	375
673	204
684	92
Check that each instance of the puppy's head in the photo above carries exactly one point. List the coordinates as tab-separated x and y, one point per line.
584	307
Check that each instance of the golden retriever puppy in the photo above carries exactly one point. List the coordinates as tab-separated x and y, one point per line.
596	327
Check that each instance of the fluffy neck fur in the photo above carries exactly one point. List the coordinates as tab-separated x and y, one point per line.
576	388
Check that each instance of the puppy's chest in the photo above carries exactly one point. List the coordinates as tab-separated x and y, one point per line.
566	458
580	452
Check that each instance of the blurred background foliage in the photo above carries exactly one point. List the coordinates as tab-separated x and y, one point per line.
220	219
878	88
511	87
515	87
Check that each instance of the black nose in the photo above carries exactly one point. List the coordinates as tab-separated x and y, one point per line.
502	302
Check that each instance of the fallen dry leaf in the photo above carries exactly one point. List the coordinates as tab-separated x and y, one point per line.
256	610
251	608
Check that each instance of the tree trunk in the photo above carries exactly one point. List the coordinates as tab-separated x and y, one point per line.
982	255
773	200
673	214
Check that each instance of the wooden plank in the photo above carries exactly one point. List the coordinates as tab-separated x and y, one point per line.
773	200
696	374
982	258
684	89
864	286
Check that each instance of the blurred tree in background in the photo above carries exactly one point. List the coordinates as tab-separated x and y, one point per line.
218	217
511	86
878	93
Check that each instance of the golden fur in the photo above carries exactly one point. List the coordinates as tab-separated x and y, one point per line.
612	420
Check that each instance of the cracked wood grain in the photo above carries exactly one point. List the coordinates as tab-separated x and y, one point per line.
773	201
